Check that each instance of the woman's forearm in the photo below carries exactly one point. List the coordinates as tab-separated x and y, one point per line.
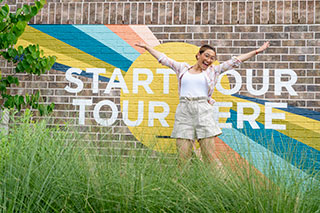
249	55
150	49
153	52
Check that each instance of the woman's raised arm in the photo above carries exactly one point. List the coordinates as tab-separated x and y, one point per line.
248	55
152	51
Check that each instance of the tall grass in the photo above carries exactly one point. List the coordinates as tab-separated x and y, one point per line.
51	170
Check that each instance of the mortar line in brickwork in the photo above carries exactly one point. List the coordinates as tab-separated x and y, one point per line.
215	12
116	14
201	19
307	11
245	12
172	13
298	11
260	7
89	8
208	17
290	12
194	13
61	12
179	12
275	13
137	19
75	14
130	6
230	13
123	9
283	5
109	13
151	11
54	14
95	12
159	9
268	13
264	25
144	13
102	13
238	11
68	14
81	19
209	11
165	12
41	16
314	12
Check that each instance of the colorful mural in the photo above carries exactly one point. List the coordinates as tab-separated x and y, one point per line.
254	129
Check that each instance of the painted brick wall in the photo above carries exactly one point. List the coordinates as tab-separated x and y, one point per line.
234	27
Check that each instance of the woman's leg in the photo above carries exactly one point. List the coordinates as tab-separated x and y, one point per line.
184	149
207	146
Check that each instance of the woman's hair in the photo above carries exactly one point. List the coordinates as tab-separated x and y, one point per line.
205	47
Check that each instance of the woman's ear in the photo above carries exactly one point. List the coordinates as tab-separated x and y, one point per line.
198	55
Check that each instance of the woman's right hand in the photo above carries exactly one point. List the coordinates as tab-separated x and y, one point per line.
142	45
150	49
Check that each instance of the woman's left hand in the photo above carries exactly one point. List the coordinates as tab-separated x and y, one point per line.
263	47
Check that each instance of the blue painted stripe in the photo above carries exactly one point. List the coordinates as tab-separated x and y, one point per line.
298	154
298	111
104	35
64	68
78	39
268	163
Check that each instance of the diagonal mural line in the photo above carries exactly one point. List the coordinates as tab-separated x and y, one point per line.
66	54
262	158
297	126
110	39
126	33
300	154
76	38
298	111
64	68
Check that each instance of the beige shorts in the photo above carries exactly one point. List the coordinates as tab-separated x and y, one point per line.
194	119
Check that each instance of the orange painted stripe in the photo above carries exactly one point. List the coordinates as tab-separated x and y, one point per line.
233	160
128	35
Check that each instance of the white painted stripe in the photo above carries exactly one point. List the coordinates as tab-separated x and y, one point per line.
146	35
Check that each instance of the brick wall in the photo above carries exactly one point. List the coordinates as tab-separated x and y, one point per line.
234	27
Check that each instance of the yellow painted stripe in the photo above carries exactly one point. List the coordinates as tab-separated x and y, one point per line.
301	128
66	54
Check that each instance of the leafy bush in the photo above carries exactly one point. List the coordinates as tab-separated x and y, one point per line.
27	60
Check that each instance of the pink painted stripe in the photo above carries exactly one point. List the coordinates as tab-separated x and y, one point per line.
145	33
128	35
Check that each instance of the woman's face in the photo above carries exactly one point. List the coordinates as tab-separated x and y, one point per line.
206	58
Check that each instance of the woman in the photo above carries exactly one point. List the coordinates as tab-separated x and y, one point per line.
194	119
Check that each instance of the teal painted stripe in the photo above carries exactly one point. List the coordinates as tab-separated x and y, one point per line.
295	110
74	37
64	68
268	163
297	153
107	37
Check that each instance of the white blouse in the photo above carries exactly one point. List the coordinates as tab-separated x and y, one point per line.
194	85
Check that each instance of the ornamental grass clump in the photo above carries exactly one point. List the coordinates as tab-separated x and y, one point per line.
50	169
